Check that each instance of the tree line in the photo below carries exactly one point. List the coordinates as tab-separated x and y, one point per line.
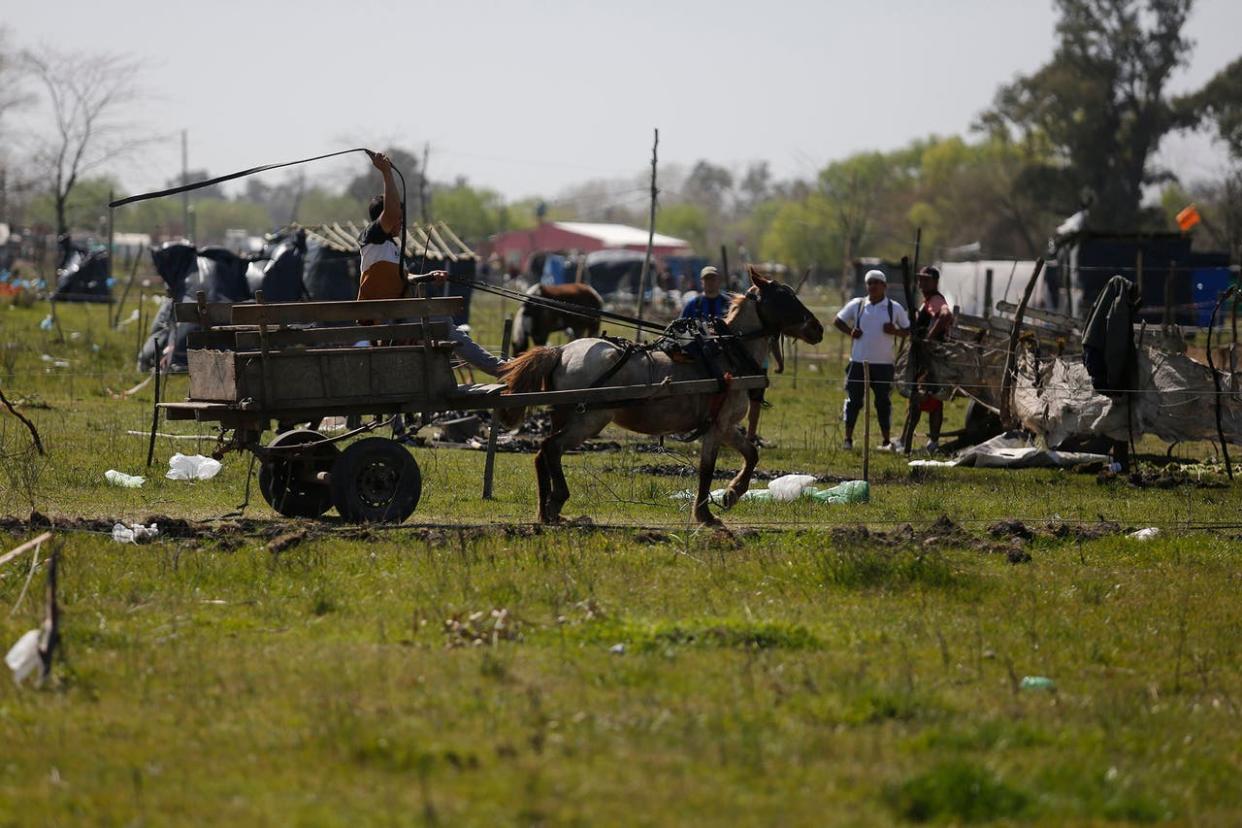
1079	134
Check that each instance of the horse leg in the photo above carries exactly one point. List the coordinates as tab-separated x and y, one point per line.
576	428
750	457
707	466
542	481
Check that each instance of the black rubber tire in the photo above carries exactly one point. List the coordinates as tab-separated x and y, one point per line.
376	480
282	478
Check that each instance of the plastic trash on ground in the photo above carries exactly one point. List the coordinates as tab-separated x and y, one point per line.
46	324
1038	683
192	467
851	491
134	533
1145	534
789	487
129	481
23	657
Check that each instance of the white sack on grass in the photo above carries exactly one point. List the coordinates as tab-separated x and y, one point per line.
134	533
23	658
128	481
194	467
789	487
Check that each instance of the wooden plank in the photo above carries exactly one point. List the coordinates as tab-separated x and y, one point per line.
1051	317
322	376
311	337
218	313
30	544
294	313
470	397
487	396
1011	355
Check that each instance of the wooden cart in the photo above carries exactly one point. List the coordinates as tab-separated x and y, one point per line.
293	364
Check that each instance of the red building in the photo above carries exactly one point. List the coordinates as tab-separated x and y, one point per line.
516	246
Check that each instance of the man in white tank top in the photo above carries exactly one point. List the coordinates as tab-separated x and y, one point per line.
381	265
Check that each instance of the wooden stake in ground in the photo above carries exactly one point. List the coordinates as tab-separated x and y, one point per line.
866	422
642	276
489	463
49	636
1011	356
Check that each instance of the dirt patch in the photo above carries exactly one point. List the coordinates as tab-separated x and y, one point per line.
1081	531
287	540
1010	529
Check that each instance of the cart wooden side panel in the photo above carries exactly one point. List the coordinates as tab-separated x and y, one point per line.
322	378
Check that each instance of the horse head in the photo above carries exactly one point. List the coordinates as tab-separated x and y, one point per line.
781	311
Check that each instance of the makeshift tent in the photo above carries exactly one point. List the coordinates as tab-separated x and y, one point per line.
83	277
279	272
1175	399
217	272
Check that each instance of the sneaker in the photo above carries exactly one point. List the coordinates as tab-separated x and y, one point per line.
892	445
933	447
847	444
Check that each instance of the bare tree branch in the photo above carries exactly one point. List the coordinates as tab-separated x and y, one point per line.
87	97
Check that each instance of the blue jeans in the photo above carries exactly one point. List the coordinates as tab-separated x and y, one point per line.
474	353
881	385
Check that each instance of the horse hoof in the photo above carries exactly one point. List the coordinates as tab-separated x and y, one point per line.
729	499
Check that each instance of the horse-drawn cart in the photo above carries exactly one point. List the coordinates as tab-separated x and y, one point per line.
293	364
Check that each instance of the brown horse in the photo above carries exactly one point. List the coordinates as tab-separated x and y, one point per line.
536	323
767	310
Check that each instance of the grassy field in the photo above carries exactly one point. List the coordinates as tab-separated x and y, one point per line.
824	665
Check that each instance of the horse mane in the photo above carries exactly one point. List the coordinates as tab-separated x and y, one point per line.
735	307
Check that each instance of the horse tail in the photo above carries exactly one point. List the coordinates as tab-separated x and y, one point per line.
532	371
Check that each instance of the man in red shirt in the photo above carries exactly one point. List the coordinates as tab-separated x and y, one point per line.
931	324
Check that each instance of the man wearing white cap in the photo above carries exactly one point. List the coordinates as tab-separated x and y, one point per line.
873	322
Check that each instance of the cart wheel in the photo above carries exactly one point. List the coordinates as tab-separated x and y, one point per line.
286	480
376	481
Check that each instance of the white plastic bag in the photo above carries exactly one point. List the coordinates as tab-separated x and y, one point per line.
134	533
194	467
789	487
1145	534
129	481
23	658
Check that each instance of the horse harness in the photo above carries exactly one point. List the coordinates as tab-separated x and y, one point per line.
707	342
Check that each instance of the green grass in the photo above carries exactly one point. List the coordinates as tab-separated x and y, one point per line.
636	672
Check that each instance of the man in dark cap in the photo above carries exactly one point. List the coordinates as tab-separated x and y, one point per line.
931	324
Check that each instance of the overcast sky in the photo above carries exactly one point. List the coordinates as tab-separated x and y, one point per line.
528	97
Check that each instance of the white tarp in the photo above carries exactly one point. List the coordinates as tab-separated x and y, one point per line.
1175	400
1014	451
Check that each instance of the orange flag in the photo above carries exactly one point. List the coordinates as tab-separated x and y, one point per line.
1188	218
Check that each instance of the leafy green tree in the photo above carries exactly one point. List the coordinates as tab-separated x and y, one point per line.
85	207
804	233
685	221
473	214
1220	101
318	206
213	216
1100	103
